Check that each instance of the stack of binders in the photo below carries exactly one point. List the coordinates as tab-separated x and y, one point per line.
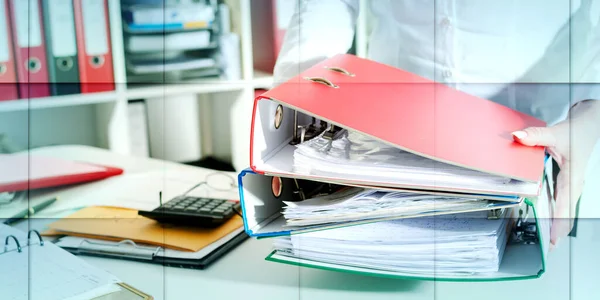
51	48
167	40
364	168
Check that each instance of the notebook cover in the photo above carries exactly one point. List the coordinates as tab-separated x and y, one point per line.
61	180
415	114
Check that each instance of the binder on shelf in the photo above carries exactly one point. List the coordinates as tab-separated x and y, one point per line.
66	277
63	65
408	112
8	75
270	19
30	48
94	49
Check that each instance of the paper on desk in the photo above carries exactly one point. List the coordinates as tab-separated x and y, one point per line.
116	224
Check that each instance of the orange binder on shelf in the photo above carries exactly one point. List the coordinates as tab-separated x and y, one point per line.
400	109
94	47
8	76
23	172
30	48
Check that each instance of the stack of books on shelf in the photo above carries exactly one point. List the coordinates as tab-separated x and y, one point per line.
364	168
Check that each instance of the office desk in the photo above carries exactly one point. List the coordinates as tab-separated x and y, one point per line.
573	270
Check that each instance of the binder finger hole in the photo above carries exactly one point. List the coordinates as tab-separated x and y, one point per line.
322	80
276	186
340	70
97	61
278	116
33	65
64	64
3	69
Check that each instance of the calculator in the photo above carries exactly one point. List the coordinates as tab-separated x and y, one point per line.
193	211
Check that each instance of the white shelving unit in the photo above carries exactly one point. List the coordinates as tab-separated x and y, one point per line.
229	102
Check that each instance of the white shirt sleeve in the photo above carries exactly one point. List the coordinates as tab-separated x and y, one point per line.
319	29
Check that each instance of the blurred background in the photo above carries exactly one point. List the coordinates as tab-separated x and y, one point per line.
179	80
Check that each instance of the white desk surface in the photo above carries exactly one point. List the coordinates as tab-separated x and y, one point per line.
573	270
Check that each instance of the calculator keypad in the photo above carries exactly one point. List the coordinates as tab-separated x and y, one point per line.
200	205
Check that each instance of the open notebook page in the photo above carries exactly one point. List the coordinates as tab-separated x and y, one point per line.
46	272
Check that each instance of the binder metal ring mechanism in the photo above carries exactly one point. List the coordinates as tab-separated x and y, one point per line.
8	240
100	248
38	235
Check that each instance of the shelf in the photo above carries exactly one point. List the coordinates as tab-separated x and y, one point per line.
262	80
57	101
198	86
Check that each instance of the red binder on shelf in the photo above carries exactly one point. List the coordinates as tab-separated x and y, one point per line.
94	46
400	109
8	76
22	172
30	48
270	20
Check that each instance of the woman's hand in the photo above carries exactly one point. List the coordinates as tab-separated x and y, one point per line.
570	143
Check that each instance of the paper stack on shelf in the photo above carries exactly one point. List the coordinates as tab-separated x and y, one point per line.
360	167
171	41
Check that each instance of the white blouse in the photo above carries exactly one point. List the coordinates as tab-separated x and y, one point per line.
537	56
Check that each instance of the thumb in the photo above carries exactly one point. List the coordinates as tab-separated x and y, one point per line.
536	136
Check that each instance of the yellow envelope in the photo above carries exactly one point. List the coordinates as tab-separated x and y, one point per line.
116	224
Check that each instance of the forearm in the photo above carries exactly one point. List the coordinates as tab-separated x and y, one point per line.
318	30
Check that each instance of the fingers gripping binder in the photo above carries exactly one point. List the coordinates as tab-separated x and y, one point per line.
399	109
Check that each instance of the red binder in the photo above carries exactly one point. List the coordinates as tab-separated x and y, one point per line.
270	20
8	77
399	108
30	48
94	47
28	172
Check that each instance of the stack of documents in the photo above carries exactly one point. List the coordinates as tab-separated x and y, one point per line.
351	204
365	168
450	245
356	155
122	233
